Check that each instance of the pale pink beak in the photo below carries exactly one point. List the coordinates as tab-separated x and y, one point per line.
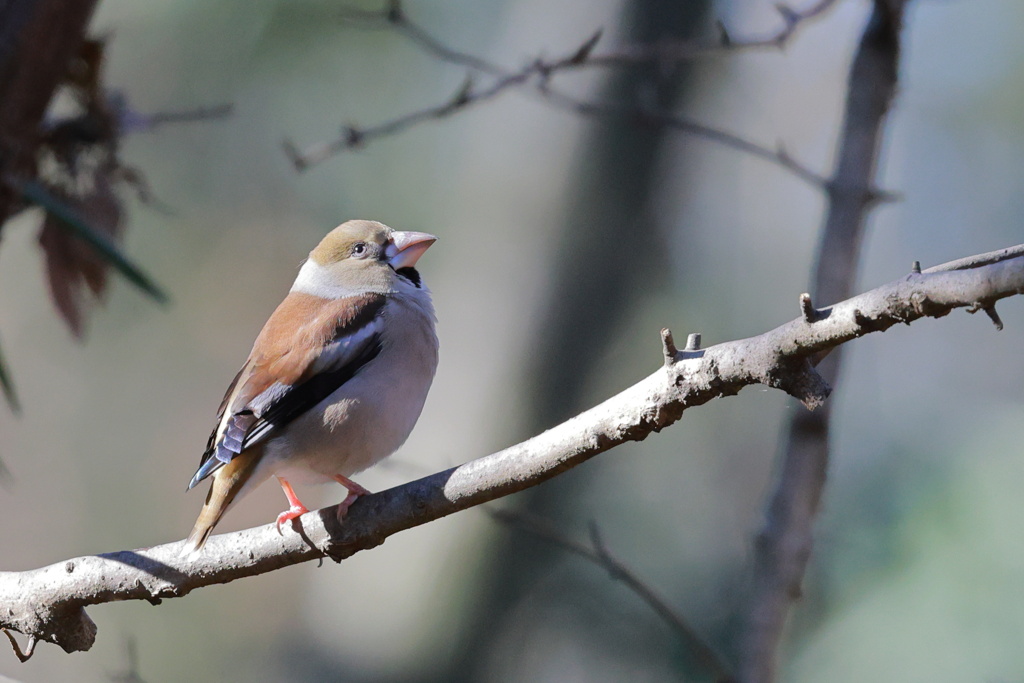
407	247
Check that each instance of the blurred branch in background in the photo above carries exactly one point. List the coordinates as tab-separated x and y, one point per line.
131	673
597	553
595	286
7	386
783	547
661	55
133	121
665	52
48	604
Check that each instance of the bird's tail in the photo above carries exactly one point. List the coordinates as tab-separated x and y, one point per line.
227	482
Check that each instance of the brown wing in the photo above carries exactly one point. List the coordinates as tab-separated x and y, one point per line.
305	352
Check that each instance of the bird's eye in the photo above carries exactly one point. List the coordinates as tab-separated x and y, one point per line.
359	249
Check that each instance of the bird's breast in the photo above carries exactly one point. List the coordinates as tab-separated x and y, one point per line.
371	415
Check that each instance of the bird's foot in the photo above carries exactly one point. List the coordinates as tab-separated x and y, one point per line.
296	508
290	514
354	491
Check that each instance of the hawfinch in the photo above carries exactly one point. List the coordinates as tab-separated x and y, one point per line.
336	379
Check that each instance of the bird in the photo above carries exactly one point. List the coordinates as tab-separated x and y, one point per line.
336	379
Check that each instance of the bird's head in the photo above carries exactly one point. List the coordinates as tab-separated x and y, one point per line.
363	256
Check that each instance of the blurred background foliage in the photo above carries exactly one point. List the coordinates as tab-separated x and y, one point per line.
565	245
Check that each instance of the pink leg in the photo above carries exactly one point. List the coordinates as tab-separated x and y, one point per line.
354	491
296	507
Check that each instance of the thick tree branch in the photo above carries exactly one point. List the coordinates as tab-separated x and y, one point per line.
783	546
48	604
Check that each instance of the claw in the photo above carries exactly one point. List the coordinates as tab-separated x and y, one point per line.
290	514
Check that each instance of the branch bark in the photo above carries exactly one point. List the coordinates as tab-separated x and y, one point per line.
48	604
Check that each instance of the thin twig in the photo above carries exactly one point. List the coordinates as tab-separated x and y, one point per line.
8	390
30	649
662	53
539	73
675	52
779	156
598	554
160	118
354	137
131	674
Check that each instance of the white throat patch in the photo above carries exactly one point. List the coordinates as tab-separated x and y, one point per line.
314	279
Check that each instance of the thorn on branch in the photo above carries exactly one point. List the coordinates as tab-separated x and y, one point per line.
614	569
543	70
789	15
782	154
693	342
807	310
877	195
294	155
668	346
585	49
464	94
395	13
23	656
724	39
353	136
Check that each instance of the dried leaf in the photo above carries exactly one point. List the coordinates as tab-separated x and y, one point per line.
103	210
71	263
79	237
64	278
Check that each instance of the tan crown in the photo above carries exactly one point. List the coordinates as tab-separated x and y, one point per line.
337	244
